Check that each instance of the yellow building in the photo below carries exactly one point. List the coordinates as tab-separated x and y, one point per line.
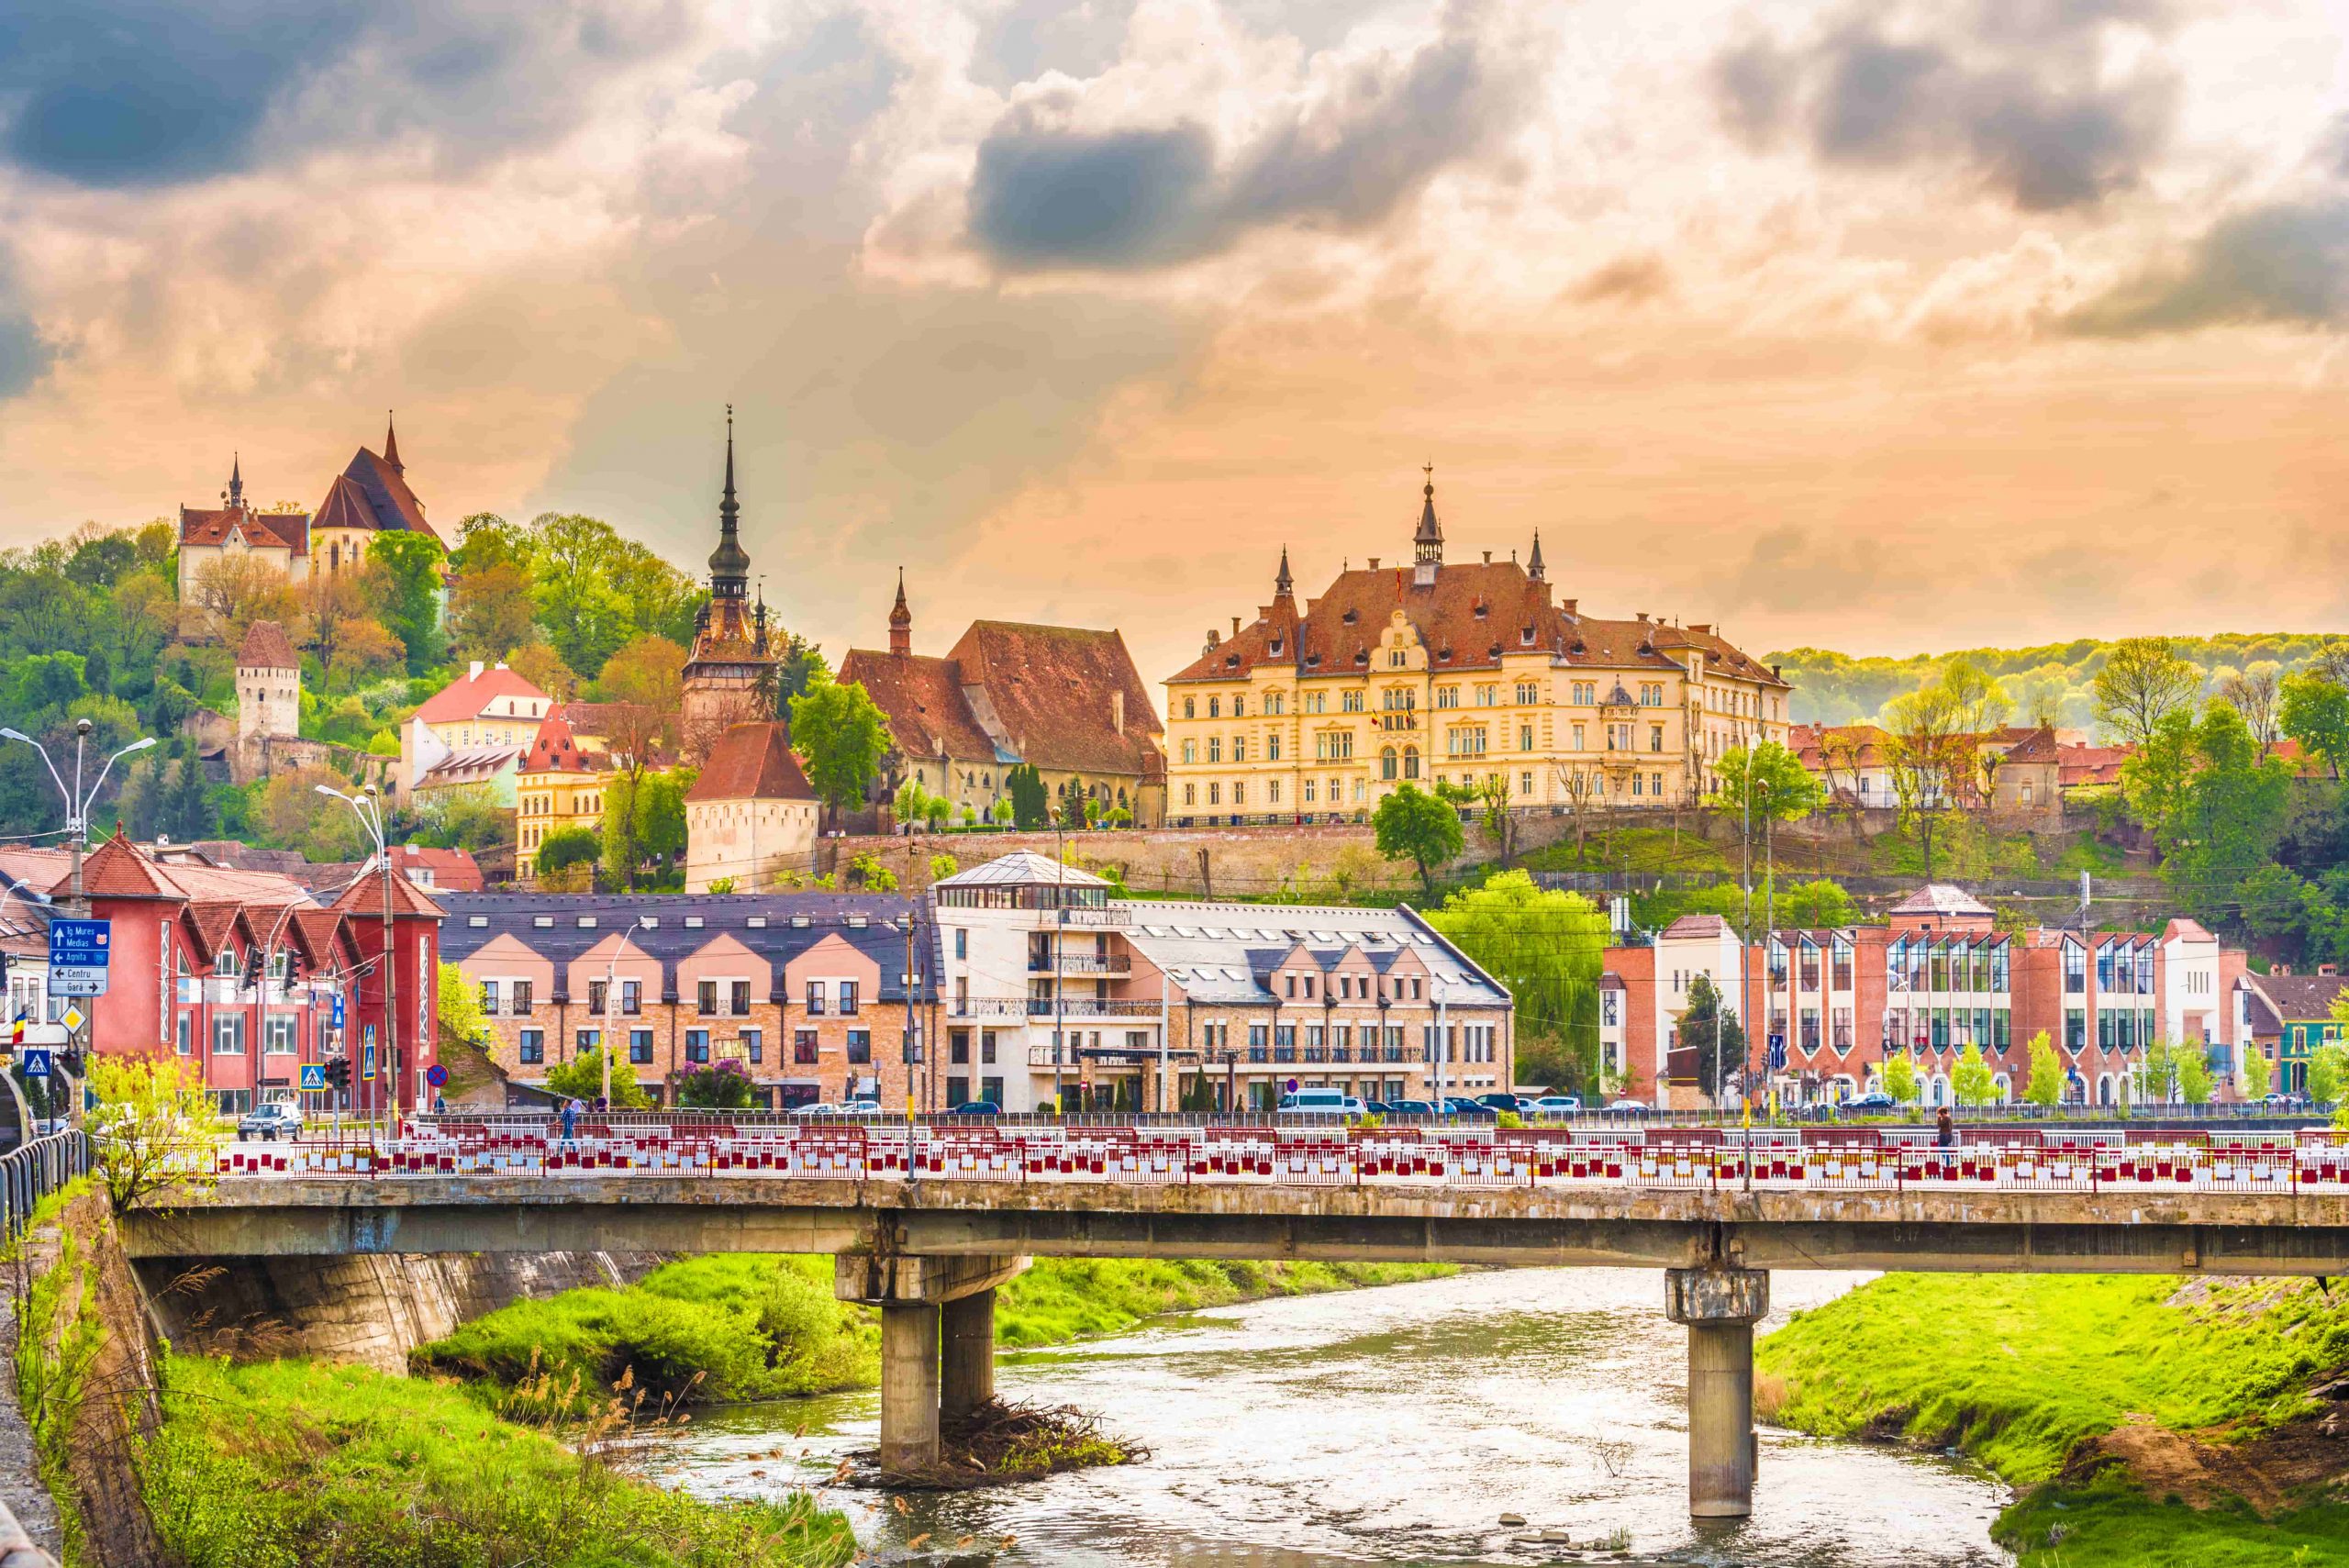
559	785
1430	673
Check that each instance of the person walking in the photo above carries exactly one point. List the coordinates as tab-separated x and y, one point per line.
570	1120
1945	1130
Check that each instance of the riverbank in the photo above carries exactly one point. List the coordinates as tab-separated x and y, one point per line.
747	1327
2146	1420
291	1464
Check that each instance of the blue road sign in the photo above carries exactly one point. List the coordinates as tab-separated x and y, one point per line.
367	1062
435	1075
314	1077
334	1011
36	1062
1778	1053
81	944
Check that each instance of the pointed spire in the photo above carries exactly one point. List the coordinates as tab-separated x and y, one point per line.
1284	585
392	445
1533	568
236	479
1427	545
729	563
901	620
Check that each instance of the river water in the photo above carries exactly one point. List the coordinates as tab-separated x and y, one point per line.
1393	1424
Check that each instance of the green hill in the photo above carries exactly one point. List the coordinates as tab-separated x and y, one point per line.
2049	684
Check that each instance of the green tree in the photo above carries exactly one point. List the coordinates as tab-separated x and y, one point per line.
582	1079
1412	825
461	1020
1772	782
1030	802
2328	1074
568	847
1546	947
1971	1080
1074	799
190	809
408	567
2143	681
2194	1081
2046	1084
2231	814
840	735
585	616
2315	711
2253	1075
718	1085
152	1130
1900	1080
1817	905
942	866
799	664
2156	1075
1710	1029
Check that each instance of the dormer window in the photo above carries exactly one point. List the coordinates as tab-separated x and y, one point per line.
1350	617
1526	637
1483	610
1362	655
1277	646
225	964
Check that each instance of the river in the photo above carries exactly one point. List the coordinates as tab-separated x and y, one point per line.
1393	1425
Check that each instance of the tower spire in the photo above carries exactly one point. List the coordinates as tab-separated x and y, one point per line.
729	563
1533	568
1427	545
235	480
901	620
392	445
1284	585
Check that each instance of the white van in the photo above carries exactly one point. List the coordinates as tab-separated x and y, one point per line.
1313	1103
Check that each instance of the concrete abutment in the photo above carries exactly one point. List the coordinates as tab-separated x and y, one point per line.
937	1342
1719	1306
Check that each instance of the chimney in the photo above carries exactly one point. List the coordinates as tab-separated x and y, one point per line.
475	673
1774	674
1489	558
1118	712
2330	970
1374	563
1215	640
1570	605
1702	628
1644	618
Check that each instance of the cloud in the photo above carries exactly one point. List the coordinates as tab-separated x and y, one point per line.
23	355
125	93
2282	263
2023	94
1047	192
1627	280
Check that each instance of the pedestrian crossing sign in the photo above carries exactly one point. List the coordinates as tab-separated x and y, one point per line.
314	1077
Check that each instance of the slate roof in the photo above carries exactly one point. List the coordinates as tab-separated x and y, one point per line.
471	696
1218	953
752	762
373	490
873	923
266	648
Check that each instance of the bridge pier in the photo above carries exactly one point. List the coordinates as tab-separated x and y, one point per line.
917	1296
1719	1306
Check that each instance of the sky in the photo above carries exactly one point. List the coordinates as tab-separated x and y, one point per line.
1868	324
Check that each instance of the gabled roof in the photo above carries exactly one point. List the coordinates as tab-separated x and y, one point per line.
471	696
266	648
1052	691
261	530
922	698
1221	953
117	870
469	766
555	750
346	507
1941	898
380	495
2298	998
1815	746
752	762
365	897
1689	926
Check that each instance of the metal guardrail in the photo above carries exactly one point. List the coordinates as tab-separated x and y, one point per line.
32	1171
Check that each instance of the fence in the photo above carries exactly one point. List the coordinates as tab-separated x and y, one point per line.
32	1171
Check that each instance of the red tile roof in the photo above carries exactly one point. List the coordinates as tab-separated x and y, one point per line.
365	897
922	698
345	506
752	762
1856	745
117	870
555	750
452	871
470	696
261	530
266	648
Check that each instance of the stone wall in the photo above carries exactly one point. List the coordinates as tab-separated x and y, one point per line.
371	1311
1201	861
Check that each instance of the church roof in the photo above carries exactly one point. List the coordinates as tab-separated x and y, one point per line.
263	530
373	492
921	696
1050	688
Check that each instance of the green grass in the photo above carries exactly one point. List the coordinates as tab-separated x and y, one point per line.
1631	848
288	1464
1061	1299
2016	1370
731	1326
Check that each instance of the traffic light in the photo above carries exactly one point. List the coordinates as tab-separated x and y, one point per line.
338	1073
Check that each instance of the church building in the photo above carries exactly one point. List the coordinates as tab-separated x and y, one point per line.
370	496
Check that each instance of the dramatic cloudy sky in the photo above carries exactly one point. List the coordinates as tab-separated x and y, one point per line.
1876	324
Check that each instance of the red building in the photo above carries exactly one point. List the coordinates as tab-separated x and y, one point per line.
240	972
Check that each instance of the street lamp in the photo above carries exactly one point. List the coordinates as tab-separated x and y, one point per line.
77	800
611	1000
369	809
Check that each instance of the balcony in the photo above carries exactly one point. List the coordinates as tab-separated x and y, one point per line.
1090	914
1081	963
1090	1007
988	1007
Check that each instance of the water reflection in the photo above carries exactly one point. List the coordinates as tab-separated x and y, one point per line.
1387	1425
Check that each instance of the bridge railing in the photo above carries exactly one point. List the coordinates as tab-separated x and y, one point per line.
32	1171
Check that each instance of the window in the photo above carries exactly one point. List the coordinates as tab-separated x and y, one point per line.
1655	737
1464	740
1447	696
1190	795
488	995
803	1047
1273	703
228	1034
597	994
640	1047
1238	793
277	1035
1525	737
706	997
1349	702
753	1045
1333	746
1271	749
1215	708
1528	692
697	1045
533	1047
859	1047
847	999
1190	751
631	997
2075	1029
1273	792
1215	795
584	1041
961	941
1398	660
1317	702
1579	739
815	998
2075	968
1311	791
741	998
1188	710
1215	748
1488	696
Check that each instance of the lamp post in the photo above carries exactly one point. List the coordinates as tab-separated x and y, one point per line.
77	800
369	809
611	1000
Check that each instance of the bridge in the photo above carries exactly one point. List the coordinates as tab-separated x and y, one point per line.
924	1224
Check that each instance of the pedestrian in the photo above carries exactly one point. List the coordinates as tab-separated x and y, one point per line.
439	1104
569	1121
1945	1130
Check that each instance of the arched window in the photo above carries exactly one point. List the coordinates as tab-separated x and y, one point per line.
1410	762
1215	708
1387	763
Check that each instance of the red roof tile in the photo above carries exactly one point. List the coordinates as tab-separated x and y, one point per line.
365	897
266	648
381	484
752	762
922	698
1053	690
470	695
555	750
117	870
261	530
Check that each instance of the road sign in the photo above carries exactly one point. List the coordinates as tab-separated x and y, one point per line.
72	1019
37	1061
314	1077
435	1075
77	980
1292	1085
367	1062
80	942
334	1011
1777	1052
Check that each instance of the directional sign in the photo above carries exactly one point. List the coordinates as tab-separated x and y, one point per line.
1778	1053
435	1075
80	942
37	1061
314	1077
77	980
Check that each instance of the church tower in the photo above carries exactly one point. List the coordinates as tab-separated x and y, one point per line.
729	664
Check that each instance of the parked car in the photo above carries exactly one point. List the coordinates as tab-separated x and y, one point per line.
1470	1110
817	1108
1410	1107
860	1107
266	1121
1551	1108
1875	1103
1317	1103
1628	1108
977	1107
1521	1104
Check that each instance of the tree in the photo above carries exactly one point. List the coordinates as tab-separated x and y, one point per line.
490	609
1931	757
582	1079
2253	1075
2230	815
539	664
718	1085
1545	947
1031	803
585	613
1900	1080
1971	1080
190	808
234	591
469	817
2156	1074
2256	693
840	735
646	679
2157	783
942	866
2046	1084
2143	679
911	805
1074	798
1412	825
2328	1074
1709	1029
152	1128
1003	813
2194	1081
1493	795
405	570
292	815
798	665
568	847
1777	787
2314	711
461	1020
1817	905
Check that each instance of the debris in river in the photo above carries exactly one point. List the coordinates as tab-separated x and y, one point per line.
999	1443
